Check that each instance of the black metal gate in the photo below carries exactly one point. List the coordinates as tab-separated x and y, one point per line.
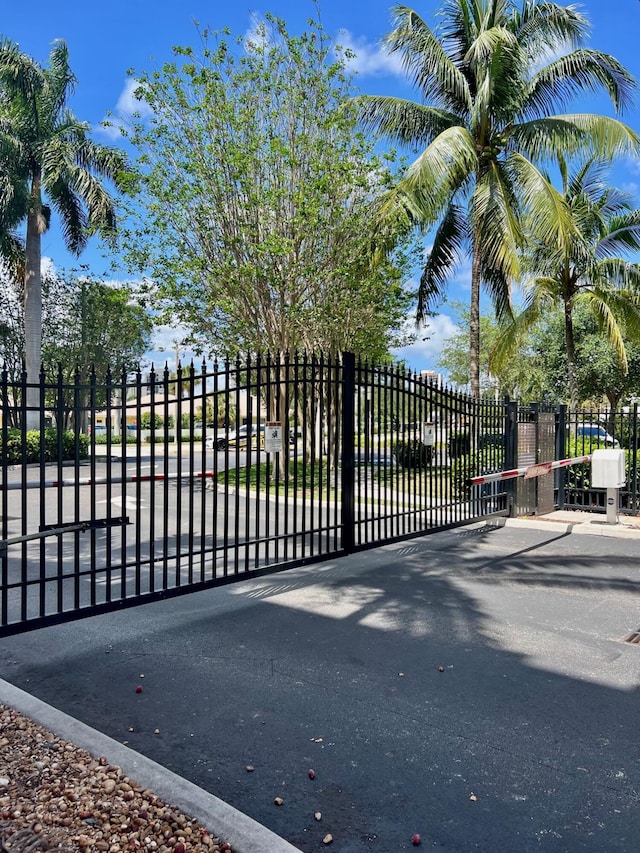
134	488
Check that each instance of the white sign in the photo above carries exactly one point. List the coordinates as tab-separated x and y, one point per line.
428	436
273	437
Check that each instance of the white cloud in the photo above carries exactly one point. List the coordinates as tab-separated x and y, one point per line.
258	36
47	266
127	105
424	352
369	60
166	343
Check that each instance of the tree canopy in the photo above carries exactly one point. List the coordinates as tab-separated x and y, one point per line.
491	80
48	160
592	266
253	225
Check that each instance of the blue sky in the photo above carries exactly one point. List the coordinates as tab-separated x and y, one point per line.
106	39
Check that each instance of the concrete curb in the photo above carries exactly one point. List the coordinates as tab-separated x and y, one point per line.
243	833
585	528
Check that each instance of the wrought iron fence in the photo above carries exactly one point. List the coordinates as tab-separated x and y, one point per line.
582	433
132	488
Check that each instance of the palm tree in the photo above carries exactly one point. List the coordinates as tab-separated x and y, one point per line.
53	163
490	81
589	268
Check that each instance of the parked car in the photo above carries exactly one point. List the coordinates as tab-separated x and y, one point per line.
237	437
591	433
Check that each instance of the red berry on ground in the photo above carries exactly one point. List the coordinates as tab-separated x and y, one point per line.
138	689
312	774
415	839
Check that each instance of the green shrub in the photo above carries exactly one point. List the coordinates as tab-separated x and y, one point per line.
463	467
459	444
579	476
102	439
145	421
16	453
413	454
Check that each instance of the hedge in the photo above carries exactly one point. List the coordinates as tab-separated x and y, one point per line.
16	454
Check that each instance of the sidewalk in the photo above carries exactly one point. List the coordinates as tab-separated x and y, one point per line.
473	686
576	521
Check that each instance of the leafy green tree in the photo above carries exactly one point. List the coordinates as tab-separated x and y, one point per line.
254	224
490	80
521	377
588	267
90	328
49	159
598	371
11	327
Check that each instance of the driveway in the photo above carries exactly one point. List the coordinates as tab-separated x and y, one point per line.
473	686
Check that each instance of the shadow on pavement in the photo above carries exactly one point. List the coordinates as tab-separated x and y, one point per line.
468	686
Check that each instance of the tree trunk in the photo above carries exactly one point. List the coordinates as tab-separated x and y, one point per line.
571	358
474	325
33	308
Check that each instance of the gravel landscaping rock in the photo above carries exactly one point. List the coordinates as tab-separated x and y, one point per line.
55	796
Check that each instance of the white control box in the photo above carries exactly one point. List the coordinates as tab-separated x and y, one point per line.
607	469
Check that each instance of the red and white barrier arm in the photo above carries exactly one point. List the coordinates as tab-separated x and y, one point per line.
102	481
530	471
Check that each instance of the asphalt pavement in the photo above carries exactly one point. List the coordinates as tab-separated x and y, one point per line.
475	686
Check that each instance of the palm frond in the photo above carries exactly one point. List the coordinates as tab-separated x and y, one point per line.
623	235
578	73
19	73
442	168
445	255
542	27
426	63
619	274
496	226
513	331
588	178
548	216
72	215
603	309
60	82
542	139
401	120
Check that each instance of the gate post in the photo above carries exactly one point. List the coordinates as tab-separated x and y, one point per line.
348	426
561	473
511	451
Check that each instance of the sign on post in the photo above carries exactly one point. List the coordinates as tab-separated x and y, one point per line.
273	437
428	436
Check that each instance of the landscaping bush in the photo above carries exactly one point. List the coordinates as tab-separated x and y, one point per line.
465	466
16	454
102	439
459	444
579	476
414	454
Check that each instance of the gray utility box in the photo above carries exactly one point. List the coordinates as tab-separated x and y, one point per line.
607	469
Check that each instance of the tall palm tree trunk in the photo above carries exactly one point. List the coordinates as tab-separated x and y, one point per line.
33	308
474	325
572	372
